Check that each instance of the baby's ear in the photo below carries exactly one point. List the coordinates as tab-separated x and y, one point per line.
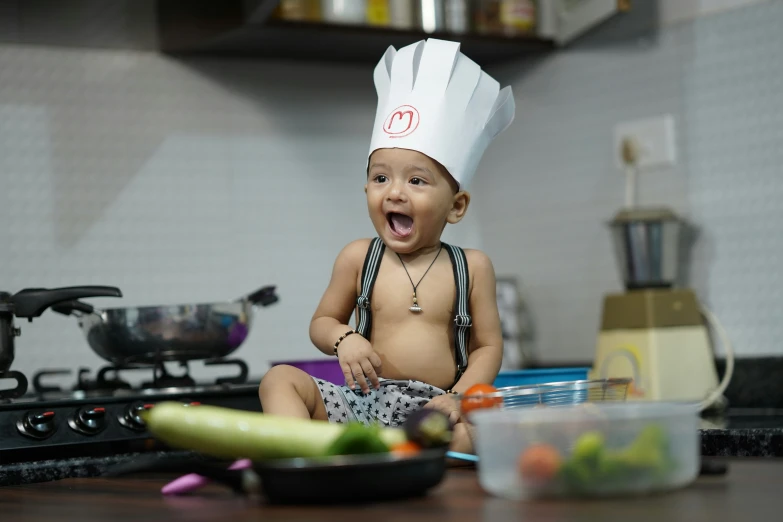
458	207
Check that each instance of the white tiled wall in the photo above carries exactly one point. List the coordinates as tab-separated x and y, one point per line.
553	184
179	183
202	180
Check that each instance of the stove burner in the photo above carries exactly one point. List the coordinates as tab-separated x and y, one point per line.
239	379
163	379
102	382
16	392
84	386
40	388
108	381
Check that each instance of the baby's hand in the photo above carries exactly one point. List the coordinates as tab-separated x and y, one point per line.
358	360
447	404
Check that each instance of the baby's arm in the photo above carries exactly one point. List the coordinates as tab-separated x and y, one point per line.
485	354
330	320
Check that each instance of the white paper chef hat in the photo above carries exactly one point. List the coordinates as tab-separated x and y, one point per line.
435	100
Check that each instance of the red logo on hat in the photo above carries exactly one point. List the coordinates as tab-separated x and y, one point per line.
401	122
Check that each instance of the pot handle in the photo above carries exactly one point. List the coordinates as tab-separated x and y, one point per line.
264	296
31	302
68	307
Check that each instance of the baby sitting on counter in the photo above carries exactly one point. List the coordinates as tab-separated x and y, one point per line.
427	323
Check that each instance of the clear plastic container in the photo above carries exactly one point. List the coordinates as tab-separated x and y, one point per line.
587	450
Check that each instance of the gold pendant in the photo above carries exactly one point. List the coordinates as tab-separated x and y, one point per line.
415	308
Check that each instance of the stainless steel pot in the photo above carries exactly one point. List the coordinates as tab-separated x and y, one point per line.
29	304
152	334
647	244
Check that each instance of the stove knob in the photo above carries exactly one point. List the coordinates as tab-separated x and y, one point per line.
131	418
88	421
37	425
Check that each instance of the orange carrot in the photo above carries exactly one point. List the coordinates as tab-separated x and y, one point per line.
407	448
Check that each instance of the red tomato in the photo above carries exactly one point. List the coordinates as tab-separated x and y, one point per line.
477	398
539	462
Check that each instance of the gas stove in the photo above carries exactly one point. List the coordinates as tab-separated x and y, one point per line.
99	415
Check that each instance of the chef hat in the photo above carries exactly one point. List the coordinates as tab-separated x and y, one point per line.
435	100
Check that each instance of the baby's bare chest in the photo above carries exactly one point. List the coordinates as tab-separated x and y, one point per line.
393	292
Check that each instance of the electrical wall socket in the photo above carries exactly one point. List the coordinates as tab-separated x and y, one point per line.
654	138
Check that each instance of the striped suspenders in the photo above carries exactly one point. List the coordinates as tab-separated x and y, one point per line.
462	319
372	262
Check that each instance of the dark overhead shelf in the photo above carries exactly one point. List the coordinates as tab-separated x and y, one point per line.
325	42
225	29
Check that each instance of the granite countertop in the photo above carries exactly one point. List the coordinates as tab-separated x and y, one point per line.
81	467
749	490
744	434
752	428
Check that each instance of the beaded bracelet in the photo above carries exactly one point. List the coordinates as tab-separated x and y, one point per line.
343	336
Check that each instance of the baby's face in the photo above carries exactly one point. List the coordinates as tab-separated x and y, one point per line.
410	198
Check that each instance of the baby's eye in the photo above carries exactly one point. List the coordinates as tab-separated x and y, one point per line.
380	178
417	181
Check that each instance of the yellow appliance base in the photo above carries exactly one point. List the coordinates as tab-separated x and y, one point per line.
666	364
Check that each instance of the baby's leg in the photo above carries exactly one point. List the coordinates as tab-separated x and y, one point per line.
290	392
462	441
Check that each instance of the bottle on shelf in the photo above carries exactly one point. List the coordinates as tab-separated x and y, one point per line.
350	12
486	15
378	12
457	16
430	15
518	17
401	14
298	10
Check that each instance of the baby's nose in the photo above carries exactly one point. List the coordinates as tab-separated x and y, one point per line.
396	192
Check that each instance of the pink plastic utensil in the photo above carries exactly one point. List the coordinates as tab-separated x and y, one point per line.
193	481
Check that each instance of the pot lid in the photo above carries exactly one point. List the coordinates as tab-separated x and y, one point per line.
644	214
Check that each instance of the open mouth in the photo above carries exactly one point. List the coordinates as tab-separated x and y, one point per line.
400	224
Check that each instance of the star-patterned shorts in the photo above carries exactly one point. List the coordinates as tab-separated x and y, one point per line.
389	405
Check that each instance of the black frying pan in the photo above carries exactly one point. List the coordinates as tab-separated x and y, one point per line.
351	478
344	479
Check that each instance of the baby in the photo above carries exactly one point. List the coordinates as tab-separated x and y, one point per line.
427	323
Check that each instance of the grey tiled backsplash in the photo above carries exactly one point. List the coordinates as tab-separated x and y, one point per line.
550	183
201	180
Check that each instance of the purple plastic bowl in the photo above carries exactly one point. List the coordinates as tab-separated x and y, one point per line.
326	369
